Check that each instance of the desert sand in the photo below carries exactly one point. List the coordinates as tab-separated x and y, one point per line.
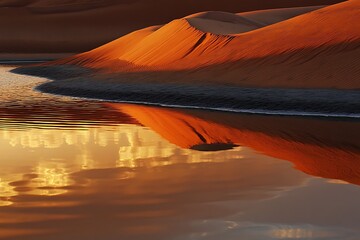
271	61
57	26
313	149
316	49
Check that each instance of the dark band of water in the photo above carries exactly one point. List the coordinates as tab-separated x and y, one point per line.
328	103
77	82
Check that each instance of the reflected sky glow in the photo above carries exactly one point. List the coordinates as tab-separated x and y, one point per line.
132	164
76	169
52	155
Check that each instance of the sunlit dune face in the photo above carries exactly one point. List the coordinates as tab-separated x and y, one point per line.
288	141
211	38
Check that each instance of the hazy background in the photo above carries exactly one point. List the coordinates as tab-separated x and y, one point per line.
58	26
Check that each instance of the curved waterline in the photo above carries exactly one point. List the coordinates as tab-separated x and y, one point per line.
293	102
83	83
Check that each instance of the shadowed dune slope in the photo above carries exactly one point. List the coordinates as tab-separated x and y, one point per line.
315	49
313	150
43	26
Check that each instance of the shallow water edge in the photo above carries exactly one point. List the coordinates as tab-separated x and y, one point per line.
80	82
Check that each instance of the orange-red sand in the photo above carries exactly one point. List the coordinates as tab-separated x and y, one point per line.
319	49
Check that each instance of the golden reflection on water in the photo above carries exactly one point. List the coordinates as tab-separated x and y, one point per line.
6	191
122	173
52	155
57	179
52	177
75	169
287	232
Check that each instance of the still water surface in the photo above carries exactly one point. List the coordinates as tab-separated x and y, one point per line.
76	169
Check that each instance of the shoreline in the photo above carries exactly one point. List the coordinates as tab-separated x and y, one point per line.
267	112
16	59
83	83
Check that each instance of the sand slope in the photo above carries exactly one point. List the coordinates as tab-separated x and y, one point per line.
182	37
317	49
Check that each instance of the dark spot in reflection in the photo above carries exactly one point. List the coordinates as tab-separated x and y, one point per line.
214	147
23	189
19	183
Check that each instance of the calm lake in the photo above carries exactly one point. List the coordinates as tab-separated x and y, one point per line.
82	169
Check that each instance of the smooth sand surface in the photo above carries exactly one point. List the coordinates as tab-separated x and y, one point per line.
318	49
271	16
223	23
42	26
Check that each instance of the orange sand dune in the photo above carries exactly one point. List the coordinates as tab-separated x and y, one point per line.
177	39
326	149
43	26
314	50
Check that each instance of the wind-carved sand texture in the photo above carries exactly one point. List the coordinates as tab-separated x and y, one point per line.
252	60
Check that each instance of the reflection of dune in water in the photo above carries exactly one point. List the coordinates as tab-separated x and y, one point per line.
328	149
82	179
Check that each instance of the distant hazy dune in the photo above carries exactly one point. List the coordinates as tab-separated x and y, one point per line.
43	26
